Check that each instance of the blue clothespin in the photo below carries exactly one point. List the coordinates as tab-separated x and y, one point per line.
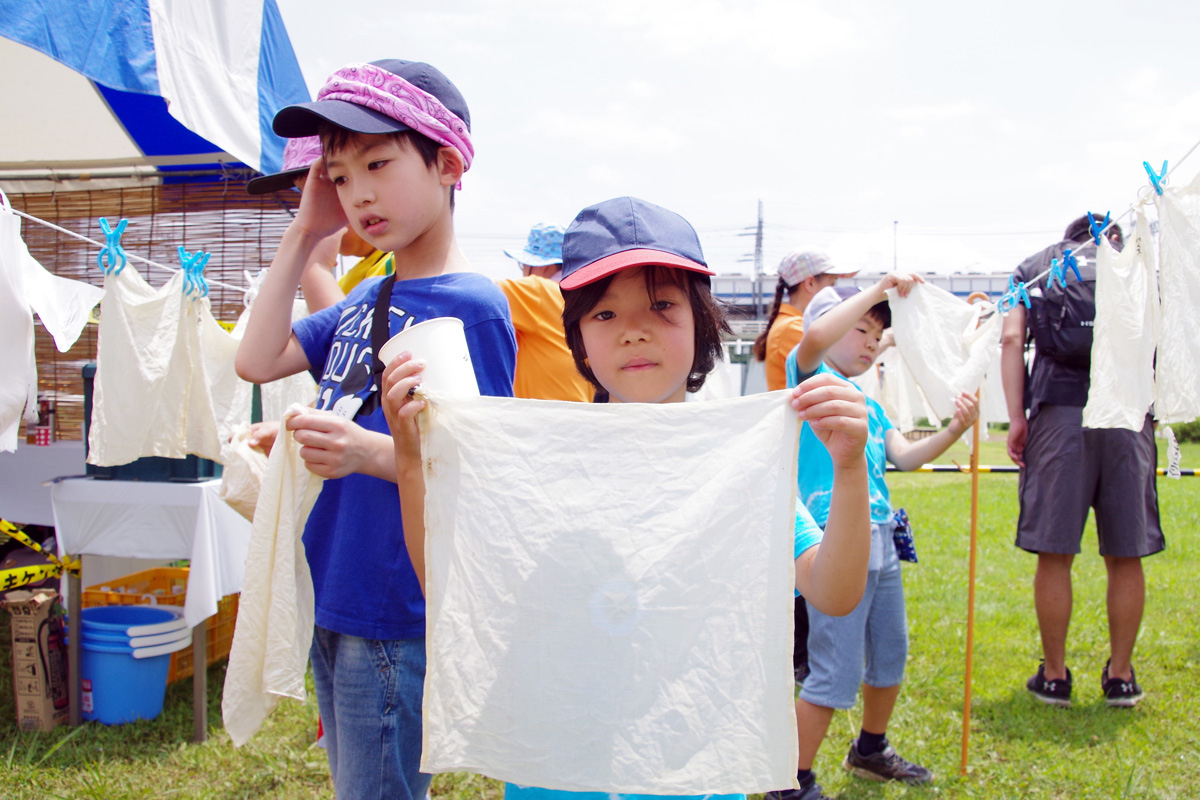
193	272
1057	273
1098	228
1156	179
106	259
1015	293
1069	262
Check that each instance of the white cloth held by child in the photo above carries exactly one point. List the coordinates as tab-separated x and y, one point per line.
609	593
276	611
244	469
944	346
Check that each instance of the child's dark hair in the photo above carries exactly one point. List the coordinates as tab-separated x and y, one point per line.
760	343
882	313
335	138
707	314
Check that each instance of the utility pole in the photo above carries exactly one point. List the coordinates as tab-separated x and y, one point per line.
756	292
758	265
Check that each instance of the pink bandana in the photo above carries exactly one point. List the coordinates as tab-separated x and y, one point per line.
375	88
301	153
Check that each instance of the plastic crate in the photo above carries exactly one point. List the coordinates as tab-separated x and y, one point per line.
168	586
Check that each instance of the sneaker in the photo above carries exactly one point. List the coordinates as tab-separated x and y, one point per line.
1120	693
886	765
1054	693
813	792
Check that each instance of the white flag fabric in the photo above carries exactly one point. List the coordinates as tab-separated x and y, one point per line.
609	593
1122	369
1177	387
943	343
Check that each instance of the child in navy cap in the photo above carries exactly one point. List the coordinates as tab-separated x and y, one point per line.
643	327
396	141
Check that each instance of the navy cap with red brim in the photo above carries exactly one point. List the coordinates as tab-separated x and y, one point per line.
623	233
628	259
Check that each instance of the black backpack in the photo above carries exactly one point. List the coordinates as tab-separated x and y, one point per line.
1061	318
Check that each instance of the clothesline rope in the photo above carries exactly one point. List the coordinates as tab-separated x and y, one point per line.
148	262
131	256
1142	200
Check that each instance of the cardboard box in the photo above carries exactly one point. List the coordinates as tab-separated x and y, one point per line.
39	658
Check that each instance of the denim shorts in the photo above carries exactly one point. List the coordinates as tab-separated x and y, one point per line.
869	645
369	693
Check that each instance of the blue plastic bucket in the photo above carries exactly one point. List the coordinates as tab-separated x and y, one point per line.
119	619
118	688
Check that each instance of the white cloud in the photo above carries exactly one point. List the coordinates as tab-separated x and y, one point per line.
618	129
605	176
787	33
935	113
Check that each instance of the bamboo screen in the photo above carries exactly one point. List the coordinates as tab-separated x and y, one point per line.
239	230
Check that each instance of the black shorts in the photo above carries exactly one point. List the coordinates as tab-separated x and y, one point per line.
1069	469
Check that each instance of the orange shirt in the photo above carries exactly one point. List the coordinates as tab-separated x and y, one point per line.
786	332
545	367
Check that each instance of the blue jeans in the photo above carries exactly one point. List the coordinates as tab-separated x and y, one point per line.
369	693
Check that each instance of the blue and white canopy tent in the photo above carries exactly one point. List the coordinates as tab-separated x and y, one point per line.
130	91
153	110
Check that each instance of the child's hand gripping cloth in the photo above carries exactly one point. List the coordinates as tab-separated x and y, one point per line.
62	305
609	593
1177	374
165	383
275	612
945	349
1122	370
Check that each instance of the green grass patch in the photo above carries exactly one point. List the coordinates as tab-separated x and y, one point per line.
1019	747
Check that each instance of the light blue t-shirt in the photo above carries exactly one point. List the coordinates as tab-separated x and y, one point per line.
814	476
807	534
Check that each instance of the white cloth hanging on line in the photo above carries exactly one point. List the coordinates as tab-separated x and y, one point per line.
165	384
276	611
61	304
944	346
1177	374
1123	336
609	593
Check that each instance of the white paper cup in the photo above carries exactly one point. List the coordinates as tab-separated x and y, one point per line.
442	344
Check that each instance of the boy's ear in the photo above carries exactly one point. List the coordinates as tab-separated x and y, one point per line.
450	166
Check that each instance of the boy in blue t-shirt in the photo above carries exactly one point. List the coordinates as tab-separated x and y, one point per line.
395	141
842	330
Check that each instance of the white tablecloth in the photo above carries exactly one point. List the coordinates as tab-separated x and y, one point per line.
145	519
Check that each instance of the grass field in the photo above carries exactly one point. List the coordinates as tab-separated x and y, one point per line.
1018	747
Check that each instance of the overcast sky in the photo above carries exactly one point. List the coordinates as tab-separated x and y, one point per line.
981	129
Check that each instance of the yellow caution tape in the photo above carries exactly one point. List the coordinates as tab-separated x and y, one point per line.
23	576
36	572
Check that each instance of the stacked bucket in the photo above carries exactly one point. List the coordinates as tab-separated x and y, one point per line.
126	651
